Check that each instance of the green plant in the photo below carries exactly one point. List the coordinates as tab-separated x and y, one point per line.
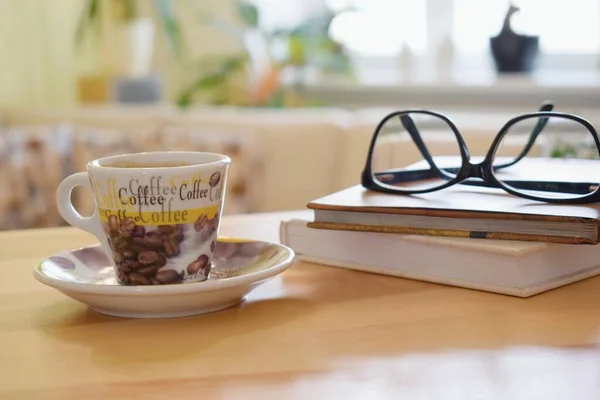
582	149
307	44
215	79
128	10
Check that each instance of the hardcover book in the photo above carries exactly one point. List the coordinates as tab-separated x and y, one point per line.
457	211
516	268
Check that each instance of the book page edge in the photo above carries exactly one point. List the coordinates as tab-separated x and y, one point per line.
506	290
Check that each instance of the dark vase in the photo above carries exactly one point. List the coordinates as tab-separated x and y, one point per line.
511	51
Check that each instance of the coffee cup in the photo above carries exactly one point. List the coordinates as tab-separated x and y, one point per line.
156	214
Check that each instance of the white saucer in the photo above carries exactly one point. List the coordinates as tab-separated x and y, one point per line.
240	266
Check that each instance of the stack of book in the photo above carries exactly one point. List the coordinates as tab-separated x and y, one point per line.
464	236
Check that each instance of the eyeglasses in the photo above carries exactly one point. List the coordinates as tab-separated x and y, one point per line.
422	151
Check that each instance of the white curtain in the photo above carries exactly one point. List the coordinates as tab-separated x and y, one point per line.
40	68
37	65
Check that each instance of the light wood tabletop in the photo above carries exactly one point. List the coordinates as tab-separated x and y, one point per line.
313	332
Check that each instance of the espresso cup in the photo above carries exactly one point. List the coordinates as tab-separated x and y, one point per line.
156	214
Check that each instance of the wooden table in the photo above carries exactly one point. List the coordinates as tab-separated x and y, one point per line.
314	332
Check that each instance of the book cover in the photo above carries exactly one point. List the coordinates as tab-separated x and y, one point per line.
460	210
515	268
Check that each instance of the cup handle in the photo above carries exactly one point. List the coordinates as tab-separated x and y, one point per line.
65	207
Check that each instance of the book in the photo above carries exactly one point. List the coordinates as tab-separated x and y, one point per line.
458	211
473	211
515	268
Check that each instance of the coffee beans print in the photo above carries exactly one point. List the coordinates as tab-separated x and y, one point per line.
200	264
215	222
206	227
147	257
194	267
126	226
113	224
149	271
201	222
166	229
168	276
140	254
153	240
215	178
139	279
171	249
139	231
162	261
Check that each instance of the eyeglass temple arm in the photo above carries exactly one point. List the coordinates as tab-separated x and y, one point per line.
391	177
539	127
409	124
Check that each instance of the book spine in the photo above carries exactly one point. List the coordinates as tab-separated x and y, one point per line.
454	233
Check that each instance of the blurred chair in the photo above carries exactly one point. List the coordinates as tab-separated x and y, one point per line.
34	161
281	158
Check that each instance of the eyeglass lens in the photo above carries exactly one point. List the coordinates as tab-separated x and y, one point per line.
415	151
550	157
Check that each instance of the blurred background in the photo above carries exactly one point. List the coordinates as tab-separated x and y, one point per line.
291	90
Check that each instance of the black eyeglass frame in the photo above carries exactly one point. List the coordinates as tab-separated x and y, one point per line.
483	172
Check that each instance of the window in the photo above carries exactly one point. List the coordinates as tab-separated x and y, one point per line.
564	27
380	27
569	31
474	21
282	14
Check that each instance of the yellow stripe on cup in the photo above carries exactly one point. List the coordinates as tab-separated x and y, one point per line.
160	217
